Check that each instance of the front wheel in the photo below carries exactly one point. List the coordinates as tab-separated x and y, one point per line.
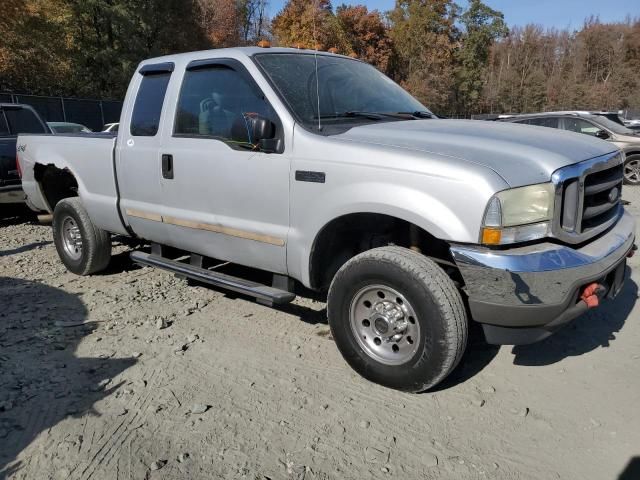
397	318
82	247
632	170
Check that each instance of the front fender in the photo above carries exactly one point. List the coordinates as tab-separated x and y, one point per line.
448	211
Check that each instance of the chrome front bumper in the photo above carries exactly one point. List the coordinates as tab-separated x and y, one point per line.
532	287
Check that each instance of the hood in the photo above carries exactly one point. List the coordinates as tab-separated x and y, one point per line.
520	154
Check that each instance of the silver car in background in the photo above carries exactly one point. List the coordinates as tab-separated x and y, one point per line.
597	124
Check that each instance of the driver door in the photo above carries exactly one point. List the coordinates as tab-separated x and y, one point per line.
223	197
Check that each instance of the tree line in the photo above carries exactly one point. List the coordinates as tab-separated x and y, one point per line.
457	61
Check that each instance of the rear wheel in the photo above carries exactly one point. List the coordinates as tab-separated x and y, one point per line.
632	170
83	248
397	318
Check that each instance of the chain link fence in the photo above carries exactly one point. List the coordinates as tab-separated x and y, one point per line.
91	113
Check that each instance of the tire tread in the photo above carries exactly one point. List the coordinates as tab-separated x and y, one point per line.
443	291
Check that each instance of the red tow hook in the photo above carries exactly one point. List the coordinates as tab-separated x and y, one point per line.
632	251
592	293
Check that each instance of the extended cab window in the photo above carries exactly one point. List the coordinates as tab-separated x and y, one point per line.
215	102
145	120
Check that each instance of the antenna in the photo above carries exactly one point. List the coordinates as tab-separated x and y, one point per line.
315	55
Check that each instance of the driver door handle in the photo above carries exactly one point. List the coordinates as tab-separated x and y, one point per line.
167	166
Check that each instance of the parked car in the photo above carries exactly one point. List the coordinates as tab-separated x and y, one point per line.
594	124
14	119
111	127
319	169
67	127
633	125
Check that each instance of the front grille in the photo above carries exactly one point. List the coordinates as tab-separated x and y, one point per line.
601	197
588	198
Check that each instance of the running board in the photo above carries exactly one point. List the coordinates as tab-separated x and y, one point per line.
263	293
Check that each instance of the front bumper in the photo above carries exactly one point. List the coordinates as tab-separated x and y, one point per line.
524	294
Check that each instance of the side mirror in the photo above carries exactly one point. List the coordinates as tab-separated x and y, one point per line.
603	134
257	130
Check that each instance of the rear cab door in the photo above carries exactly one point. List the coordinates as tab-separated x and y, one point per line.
138	161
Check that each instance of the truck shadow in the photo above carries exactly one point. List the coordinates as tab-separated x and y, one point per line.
632	470
597	328
24	248
42	381
15	214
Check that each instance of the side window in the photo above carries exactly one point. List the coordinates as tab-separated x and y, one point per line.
215	102
544	122
23	120
145	120
580	126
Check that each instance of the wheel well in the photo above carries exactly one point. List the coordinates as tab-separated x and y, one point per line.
629	154
349	235
55	183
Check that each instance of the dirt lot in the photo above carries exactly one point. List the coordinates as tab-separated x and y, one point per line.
175	382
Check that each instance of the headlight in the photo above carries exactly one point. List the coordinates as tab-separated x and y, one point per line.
518	215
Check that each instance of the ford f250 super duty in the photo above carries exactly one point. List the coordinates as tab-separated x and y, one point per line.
317	168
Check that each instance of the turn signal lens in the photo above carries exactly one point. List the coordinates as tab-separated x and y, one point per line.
491	236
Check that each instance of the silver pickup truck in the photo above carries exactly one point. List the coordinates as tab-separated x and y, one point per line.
318	169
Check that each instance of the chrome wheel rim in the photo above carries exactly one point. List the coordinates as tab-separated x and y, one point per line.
632	171
71	238
384	324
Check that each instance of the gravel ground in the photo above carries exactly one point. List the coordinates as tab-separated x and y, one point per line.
134	374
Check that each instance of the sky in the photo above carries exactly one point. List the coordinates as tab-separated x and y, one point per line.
549	13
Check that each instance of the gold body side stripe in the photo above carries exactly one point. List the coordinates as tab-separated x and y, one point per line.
233	232
146	215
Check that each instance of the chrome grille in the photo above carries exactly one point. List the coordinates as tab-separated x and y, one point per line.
588	198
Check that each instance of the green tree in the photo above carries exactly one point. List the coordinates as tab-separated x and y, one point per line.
110	37
482	26
425	38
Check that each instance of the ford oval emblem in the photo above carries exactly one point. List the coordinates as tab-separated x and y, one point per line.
614	194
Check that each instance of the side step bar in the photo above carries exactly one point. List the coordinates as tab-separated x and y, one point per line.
263	293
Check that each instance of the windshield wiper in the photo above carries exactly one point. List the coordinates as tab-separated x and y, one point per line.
353	114
418	114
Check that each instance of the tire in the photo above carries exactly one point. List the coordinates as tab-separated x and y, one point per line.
72	226
427	310
632	170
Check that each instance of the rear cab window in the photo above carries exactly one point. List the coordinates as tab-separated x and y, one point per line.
145	120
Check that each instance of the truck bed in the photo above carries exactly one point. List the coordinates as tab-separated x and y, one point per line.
89	157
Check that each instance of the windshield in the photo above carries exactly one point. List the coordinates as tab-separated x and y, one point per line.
613	126
347	89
